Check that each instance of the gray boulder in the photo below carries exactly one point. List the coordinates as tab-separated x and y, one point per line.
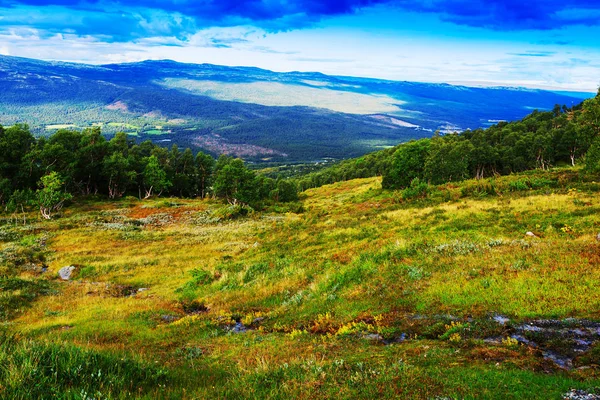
66	272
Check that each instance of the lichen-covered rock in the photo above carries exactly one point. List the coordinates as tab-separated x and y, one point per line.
66	272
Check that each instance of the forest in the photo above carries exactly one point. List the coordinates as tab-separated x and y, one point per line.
47	172
563	136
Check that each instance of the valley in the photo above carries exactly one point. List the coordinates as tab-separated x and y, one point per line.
256	114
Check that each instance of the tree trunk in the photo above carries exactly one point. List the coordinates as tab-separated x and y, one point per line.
148	193
45	213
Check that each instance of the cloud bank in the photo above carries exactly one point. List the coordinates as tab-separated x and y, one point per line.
127	20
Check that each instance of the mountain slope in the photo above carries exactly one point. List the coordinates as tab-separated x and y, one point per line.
249	112
362	295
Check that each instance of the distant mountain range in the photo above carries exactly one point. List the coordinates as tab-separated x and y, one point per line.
249	112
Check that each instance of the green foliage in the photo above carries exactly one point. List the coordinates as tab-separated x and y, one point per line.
408	164
87	164
448	160
116	170
234	182
205	165
417	189
155	177
285	191
50	196
592	158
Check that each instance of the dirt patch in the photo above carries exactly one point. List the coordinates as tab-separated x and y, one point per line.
118	106
218	145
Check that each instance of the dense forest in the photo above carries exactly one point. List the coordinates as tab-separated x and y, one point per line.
540	140
49	171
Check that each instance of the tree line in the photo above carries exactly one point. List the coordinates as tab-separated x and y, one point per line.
49	171
540	140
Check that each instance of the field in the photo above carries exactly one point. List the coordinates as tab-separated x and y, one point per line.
353	292
279	94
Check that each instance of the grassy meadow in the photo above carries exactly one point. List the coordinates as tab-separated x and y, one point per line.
353	292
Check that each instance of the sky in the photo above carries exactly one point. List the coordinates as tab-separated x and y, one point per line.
552	44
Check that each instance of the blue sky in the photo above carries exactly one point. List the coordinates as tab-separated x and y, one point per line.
534	43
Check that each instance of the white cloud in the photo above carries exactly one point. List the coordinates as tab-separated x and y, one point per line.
340	49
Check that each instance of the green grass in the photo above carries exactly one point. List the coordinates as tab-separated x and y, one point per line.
123	125
353	262
36	370
155	132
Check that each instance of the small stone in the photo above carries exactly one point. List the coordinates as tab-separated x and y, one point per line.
237	328
373	336
168	318
142	289
598	237
530	234
66	272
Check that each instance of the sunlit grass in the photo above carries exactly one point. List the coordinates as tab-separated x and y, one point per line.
310	286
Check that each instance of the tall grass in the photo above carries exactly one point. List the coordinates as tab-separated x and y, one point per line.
37	370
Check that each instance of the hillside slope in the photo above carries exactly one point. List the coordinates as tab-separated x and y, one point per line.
248	112
363	294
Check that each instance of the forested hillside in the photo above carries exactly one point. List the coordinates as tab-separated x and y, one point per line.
564	135
83	162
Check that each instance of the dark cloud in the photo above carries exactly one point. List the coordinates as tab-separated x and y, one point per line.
507	15
123	20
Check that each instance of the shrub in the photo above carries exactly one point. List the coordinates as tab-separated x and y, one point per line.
202	277
518	185
417	189
592	158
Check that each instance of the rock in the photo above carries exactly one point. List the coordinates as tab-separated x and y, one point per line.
374	337
530	234
66	272
598	237
237	328
142	289
501	319
580	395
398	339
169	318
